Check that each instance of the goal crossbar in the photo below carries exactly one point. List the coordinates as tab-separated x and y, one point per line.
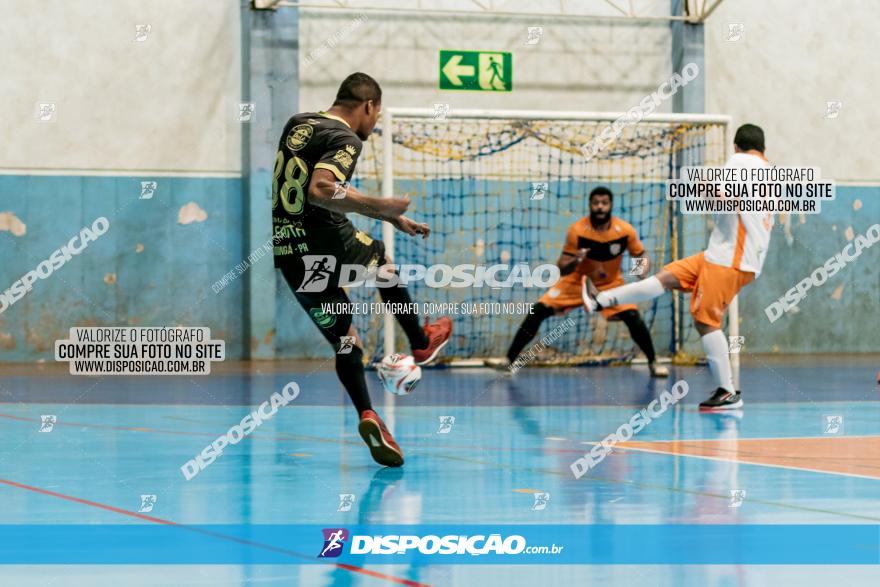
559	115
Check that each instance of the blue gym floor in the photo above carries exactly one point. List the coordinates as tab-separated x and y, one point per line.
117	438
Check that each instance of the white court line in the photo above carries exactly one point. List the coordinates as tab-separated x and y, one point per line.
738	462
759	438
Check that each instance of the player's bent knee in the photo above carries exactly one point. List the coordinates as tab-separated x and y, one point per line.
336	328
668	280
629	317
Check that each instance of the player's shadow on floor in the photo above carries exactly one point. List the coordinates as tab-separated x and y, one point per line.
519	402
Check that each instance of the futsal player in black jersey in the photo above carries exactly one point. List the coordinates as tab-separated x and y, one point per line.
313	238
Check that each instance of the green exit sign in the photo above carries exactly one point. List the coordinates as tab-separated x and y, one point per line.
481	71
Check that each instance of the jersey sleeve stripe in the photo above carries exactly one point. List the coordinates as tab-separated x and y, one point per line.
339	175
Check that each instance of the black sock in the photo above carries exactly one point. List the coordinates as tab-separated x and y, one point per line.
350	370
639	332
528	330
409	321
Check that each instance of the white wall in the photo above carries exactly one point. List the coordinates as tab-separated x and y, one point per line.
793	57
168	103
578	65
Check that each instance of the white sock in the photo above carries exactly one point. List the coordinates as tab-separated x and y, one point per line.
631	293
716	346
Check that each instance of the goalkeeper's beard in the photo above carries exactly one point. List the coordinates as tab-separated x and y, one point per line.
597	221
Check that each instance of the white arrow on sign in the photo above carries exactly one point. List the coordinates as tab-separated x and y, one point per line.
452	70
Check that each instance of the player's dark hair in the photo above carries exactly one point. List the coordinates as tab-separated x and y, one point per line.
357	89
749	137
601	191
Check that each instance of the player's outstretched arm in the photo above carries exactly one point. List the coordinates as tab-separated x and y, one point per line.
323	192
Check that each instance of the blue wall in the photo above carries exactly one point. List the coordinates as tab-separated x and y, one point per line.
822	324
168	283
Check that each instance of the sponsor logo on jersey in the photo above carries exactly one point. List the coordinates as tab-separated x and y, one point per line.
343	158
299	137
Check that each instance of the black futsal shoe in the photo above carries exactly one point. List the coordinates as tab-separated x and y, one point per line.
722	400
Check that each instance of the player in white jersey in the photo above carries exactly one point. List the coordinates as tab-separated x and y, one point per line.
734	258
741	240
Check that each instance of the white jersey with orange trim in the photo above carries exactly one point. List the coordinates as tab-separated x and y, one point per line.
741	240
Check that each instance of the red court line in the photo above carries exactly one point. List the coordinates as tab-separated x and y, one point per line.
155	520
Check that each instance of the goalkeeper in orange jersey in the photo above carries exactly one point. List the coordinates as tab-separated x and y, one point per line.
593	250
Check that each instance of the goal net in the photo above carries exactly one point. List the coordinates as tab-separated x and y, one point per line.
503	187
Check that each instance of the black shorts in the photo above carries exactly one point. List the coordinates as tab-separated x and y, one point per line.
314	276
314	262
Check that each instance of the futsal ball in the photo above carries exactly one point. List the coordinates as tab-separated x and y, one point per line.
399	374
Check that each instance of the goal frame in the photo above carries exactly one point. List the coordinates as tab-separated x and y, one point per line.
388	237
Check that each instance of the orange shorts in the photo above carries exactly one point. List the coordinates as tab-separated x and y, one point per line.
712	286
566	294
